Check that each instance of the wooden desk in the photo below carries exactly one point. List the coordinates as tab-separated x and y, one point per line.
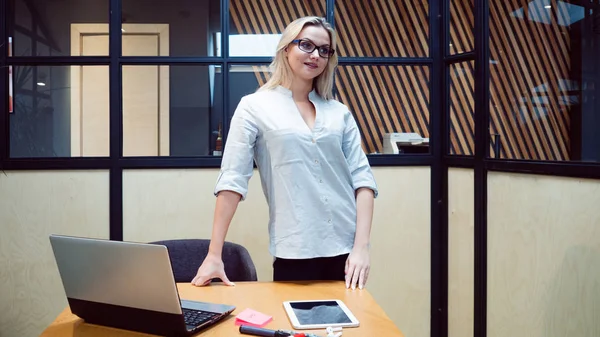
266	297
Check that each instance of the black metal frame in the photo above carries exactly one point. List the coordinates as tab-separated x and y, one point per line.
480	174
439	175
116	123
3	86
438	159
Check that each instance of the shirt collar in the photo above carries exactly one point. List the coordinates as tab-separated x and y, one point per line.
312	95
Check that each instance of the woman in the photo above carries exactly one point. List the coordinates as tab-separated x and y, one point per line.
315	176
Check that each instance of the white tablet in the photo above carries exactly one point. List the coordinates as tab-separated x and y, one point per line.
319	314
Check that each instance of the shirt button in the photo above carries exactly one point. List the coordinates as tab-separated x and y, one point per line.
329	220
321	181
316	161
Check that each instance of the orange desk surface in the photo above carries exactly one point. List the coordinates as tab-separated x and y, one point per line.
266	297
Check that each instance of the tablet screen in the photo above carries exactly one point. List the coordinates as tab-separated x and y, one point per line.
321	312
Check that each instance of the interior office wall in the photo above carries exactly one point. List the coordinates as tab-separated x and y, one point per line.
190	27
160	204
34	205
461	252
174	203
543	256
167	204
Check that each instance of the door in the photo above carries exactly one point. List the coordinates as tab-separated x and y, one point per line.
145	91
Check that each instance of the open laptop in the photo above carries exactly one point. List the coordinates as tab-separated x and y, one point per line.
129	286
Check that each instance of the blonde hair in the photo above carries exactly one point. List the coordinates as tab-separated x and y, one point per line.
282	74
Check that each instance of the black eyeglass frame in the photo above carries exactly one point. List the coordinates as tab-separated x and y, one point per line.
328	55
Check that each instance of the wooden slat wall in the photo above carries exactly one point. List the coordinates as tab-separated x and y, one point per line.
383	28
382	98
462	105
385	99
529	55
462	123
262	74
462	22
525	55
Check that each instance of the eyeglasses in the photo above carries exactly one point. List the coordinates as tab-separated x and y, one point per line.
308	47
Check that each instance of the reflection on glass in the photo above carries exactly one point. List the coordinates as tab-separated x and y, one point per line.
250	44
382	28
60	111
390	105
462	106
256	25
171	110
170	27
543	80
50	28
461	26
245	79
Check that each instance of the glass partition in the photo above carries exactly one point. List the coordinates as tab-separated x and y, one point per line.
59	111
544	76
382	28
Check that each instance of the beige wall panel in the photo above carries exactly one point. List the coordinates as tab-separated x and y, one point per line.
543	256
401	247
168	204
175	204
461	220
34	205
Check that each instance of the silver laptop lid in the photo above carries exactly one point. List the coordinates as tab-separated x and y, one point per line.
128	274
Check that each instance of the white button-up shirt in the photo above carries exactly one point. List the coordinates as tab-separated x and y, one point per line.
308	177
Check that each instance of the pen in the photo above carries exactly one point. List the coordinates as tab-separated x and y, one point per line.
250	330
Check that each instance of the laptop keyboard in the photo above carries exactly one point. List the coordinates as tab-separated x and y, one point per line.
197	317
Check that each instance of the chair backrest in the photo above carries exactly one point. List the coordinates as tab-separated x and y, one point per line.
187	256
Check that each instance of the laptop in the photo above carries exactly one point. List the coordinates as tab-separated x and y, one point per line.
128	286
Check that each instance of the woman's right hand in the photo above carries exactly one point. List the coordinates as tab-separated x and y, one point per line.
212	267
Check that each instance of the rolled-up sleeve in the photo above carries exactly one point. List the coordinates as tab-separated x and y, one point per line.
238	155
362	175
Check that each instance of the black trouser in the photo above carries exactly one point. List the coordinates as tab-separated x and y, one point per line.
320	268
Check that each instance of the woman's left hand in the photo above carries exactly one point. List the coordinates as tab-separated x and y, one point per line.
357	267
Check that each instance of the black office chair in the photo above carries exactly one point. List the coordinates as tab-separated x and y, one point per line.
187	255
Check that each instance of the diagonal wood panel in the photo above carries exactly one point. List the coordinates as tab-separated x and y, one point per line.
461	90
462	104
530	59
530	55
462	23
361	24
529	62
385	99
